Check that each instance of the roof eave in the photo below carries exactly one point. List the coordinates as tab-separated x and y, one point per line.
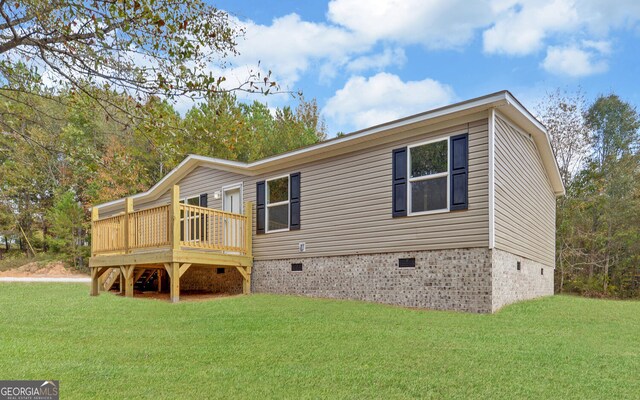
524	118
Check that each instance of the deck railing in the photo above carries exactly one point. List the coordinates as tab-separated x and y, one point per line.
175	225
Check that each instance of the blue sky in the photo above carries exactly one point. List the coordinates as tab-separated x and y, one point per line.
372	61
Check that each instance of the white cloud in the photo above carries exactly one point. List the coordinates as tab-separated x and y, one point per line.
572	35
389	57
360	37
383	97
290	46
601	16
434	23
573	61
522	26
601	46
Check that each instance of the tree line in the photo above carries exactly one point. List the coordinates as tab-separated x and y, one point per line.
76	155
597	146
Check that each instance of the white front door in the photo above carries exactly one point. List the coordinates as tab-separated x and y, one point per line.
232	202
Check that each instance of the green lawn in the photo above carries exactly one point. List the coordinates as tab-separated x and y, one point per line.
266	346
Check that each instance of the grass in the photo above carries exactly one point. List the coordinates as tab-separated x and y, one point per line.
267	346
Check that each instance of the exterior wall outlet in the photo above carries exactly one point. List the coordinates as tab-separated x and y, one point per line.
302	247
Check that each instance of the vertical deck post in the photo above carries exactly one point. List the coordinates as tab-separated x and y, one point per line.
246	282
175	218
127	271
95	215
159	281
94	282
128	209
96	273
248	229
121	281
173	269
103	279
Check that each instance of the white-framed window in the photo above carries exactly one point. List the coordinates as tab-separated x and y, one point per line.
428	167
192	228
278	193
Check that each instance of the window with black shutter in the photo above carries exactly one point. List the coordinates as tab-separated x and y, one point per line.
431	177
278	204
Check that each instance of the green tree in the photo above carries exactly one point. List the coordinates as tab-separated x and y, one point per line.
116	53
614	125
598	220
68	228
614	128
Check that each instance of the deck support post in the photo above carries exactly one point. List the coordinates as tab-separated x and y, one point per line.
160	280
174	217
173	269
102	281
128	209
127	271
96	273
246	283
246	278
248	244
120	281
95	215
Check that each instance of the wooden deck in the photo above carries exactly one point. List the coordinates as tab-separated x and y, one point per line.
167	239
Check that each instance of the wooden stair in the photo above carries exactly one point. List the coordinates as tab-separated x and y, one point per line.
111	279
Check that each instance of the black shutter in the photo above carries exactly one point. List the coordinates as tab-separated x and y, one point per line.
458	198
260	207
203	200
294	201
399	182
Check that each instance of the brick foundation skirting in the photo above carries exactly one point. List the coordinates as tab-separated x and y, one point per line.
475	280
510	285
207	279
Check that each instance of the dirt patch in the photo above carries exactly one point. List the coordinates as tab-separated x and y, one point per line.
55	269
184	296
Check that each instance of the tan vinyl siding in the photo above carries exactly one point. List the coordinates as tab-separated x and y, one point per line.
346	202
525	204
200	180
346	205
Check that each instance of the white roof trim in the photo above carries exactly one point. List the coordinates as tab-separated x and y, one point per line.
541	138
503	98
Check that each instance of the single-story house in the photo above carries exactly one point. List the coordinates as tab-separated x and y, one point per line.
451	209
